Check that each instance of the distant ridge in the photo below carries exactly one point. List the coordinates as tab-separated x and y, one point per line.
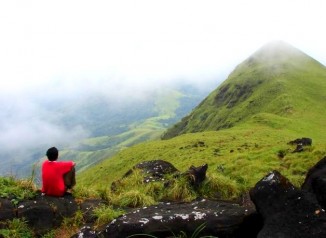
277	79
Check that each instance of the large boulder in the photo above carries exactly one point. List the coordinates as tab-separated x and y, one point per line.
287	211
44	213
315	181
39	215
153	170
221	219
157	170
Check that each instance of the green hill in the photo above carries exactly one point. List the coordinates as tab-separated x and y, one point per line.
278	79
242	128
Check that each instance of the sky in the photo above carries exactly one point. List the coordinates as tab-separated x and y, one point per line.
145	41
59	48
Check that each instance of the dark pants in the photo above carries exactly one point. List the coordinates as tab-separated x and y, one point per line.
70	178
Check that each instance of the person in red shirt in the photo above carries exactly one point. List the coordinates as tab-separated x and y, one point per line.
57	176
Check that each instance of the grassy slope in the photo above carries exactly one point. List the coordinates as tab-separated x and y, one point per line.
277	79
245	153
270	99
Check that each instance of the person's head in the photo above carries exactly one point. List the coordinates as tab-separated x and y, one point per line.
52	154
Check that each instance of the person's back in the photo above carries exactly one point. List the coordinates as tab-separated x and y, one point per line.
57	177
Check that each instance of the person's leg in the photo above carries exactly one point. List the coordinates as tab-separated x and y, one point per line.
70	178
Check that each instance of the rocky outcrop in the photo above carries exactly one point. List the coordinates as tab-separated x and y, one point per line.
303	141
157	170
315	182
300	144
154	170
166	219
287	211
42	214
207	217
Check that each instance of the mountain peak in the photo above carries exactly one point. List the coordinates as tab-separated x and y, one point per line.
278	80
277	52
277	45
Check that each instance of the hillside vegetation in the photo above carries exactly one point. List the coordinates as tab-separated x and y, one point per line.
243	154
242	128
277	79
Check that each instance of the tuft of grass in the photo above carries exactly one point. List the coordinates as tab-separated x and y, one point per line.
219	186
133	198
50	234
16	189
179	190
105	214
76	221
133	192
82	192
16	228
69	226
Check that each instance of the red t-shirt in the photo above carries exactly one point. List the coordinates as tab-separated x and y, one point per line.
52	177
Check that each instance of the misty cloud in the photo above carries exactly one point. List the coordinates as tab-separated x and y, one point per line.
32	118
22	135
25	124
57	55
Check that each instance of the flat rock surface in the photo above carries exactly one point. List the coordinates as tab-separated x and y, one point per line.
218	218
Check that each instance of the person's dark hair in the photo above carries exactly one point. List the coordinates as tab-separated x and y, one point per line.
52	154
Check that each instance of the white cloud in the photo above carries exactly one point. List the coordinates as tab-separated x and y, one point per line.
61	48
146	40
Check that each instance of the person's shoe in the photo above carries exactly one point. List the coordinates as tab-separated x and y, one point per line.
68	192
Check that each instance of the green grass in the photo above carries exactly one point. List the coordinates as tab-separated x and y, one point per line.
16	189
16	228
237	159
105	214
